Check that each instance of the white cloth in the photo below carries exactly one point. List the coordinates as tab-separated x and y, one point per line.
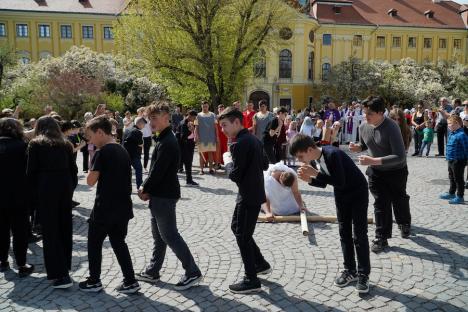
282	201
307	127
147	132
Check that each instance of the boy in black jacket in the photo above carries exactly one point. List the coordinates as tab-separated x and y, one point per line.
245	166
112	210
336	168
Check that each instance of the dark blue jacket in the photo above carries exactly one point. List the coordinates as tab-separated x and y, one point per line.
345	177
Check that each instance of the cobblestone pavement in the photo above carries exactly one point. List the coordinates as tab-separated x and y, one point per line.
427	272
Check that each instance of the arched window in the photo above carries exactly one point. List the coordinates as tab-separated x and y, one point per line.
285	64
260	64
310	70
326	67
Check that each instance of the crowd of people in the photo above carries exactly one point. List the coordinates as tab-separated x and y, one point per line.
257	149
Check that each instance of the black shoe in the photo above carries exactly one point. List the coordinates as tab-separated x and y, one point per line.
145	277
128	288
345	278
90	286
362	285
4	266
405	230
25	270
63	283
439	155
187	282
192	183
75	204
33	238
246	286
415	154
379	245
180	171
264	269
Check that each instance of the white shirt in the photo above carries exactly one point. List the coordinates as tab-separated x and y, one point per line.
147	132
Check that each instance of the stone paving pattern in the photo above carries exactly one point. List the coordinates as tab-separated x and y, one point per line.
428	272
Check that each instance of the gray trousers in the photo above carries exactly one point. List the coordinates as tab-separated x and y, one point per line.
165	233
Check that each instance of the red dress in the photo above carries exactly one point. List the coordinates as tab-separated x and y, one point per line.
248	118
222	146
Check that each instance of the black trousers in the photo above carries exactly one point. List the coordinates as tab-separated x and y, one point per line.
389	189
15	218
97	233
441	138
146	150
243	225
55	193
120	135
270	152
187	149
418	137
85	158
456	170
351	212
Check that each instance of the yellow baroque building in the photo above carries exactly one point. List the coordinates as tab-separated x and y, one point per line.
326	33
331	31
41	28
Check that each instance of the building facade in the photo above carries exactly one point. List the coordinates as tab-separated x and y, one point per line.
38	29
325	33
331	31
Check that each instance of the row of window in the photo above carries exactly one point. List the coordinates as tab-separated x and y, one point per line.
87	32
396	42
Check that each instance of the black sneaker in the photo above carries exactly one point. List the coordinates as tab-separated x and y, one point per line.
264	269
4	266
405	230
188	281
379	245
145	277
63	283
362	285
25	270
192	183
128	288
246	286
345	278
90	285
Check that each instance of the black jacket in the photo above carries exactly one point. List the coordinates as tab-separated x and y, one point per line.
345	176
162	180
247	167
13	184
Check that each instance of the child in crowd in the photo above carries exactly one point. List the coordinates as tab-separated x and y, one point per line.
112	210
428	138
290	134
456	155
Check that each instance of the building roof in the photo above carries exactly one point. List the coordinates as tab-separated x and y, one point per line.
409	13
105	7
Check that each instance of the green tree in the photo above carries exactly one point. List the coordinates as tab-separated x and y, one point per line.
8	58
200	46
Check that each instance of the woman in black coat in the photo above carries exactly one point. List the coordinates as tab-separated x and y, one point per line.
13	210
53	173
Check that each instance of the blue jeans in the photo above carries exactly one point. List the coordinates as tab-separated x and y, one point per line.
136	164
165	233
424	144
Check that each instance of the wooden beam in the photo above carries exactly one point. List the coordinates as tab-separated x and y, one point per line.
327	219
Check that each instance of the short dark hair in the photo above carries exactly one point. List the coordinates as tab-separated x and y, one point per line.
457	101
157	108
375	104
11	128
66	125
300	143
101	122
262	102
287	179
282	110
231	113
192	113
